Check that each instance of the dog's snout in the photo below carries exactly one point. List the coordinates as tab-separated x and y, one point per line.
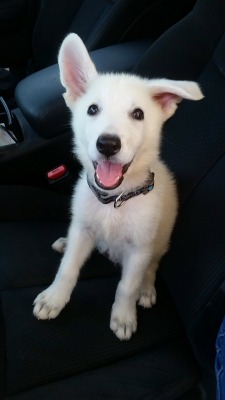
108	144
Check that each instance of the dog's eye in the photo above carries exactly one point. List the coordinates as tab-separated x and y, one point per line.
93	109
137	114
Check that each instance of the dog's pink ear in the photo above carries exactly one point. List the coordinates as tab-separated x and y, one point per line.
76	68
168	93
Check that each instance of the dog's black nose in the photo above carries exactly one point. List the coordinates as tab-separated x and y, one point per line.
108	144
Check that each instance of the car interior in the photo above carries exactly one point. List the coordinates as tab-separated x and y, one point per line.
76	356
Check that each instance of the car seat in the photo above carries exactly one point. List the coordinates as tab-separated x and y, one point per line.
172	354
101	24
31	32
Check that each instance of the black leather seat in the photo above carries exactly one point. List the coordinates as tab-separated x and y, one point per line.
172	353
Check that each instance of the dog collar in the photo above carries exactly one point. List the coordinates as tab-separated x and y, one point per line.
104	198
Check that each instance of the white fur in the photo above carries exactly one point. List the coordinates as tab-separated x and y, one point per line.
137	234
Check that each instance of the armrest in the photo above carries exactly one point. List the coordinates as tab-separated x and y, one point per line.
39	96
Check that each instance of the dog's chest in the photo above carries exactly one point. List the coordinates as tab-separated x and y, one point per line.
110	227
112	232
117	231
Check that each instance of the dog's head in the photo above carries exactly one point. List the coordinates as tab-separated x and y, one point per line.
117	118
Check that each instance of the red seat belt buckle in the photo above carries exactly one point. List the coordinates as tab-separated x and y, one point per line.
57	173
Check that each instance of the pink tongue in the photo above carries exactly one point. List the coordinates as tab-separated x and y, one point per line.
109	173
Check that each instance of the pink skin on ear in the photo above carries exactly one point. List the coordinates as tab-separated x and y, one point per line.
169	93
76	68
73	77
167	99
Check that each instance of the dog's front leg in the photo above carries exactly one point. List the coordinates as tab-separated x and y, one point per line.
51	301
124	314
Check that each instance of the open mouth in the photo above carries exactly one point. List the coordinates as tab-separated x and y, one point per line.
109	175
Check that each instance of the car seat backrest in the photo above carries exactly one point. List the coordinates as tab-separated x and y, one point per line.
194	147
100	23
184	49
111	22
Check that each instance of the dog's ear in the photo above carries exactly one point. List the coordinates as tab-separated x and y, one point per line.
168	93
76	68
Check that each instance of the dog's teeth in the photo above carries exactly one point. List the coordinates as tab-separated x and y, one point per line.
98	178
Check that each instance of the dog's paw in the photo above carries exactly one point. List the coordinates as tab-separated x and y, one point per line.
60	245
147	297
49	303
123	323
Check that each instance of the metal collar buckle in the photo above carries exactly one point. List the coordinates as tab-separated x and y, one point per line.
118	202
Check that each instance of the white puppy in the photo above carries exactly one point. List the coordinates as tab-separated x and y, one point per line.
118	206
